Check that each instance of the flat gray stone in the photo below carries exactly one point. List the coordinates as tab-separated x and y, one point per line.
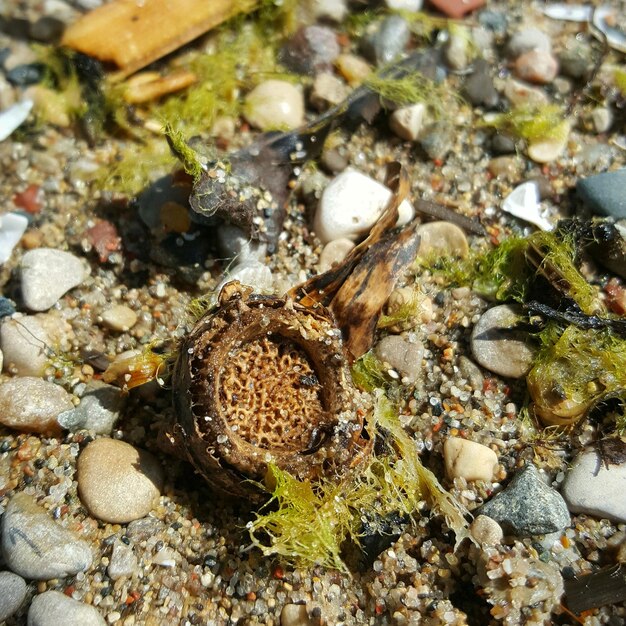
604	193
528	506
54	608
36	547
388	40
12	594
402	355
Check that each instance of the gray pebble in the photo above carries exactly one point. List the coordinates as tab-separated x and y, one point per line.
12	594
402	355
471	372
123	562
528	506
528	39
333	161
310	50
48	274
479	87
576	59
54	608
604	193
502	144
436	140
233	242
47	29
498	348
36	547
24	342
388	40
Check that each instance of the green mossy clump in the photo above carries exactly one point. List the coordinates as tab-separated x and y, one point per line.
186	155
309	523
368	373
532	123
619	77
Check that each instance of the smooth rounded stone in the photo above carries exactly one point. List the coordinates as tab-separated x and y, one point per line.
252	274
350	206
407	122
471	372
437	139
602	119
404	5
457	49
47	274
353	68
537	66
497	348
12	594
32	405
333	161
311	49
604	193
548	150
528	506
469	460
520	94
502	144
479	87
528	39
275	105
441	239
36	547
53	608
233	242
486	531
296	615
506	167
119	317
592	488
402	355
334	252
123	562
24	342
333	10
117	482
46	29
387	41
327	90
97	412
576	59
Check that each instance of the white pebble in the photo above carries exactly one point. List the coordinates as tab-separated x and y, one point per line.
250	273
12	227
53	608
523	202
469	460
24	342
14	117
407	122
275	105
119	317
334	252
441	239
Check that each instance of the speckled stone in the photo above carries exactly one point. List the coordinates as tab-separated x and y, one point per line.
117	482
36	547
486	531
12	594
53	608
402	355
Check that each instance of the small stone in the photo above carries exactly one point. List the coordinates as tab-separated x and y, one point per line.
251	273
47	274
502	144
506	167
604	193
601	118
52	608
457	49
119	317
46	29
334	10
457	8
334	252
469	460
12	227
32	405
166	557
407	122
353	68
104	238
537	66
520	95
527	40
36	547
486	531
412	6
471	372
123	562
576	59
523	202
387	41
275	105
12	594
311	49
25	343
479	87
528	506
437	139
118	483
402	355
296	615
333	161
234	243
441	239
593	488
497	347
26	74
549	150
328	90
350	206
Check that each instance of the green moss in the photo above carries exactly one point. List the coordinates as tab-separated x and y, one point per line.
179	146
424	25
619	76
533	123
368	373
405	313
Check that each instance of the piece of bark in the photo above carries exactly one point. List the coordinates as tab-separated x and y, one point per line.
131	34
607	586
147	86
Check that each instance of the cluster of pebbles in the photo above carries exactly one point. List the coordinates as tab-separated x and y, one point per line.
99	526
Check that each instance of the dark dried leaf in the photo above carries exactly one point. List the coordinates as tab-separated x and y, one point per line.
607	586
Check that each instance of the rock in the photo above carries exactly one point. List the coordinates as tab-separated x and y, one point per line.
409	307
486	531
471	372
296	615
528	506
549	150
523	202
7	307
457	48
404	5
251	273
36	547
12	594
592	488
436	140
32	405
350	206
311	49
117	482
275	105
520	95
576	59
389	39
97	412
469	460
328	90
26	74
495	21
537	66
506	167
479	87
12	227
602	118
353	68
456	8
604	193
123	562
333	161
52	608
25	343
119	317
527	40
497	348
334	252
502	144
234	243
441	239
407	122
48	274
46	29
334	10
402	355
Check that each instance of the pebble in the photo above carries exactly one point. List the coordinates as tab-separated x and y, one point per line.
479	87
36	547
350	206
407	122
334	252
592	488
441	239
46	29
499	350
118	483
387	41
602	119
502	144
528	506
576	59
520	94
123	562
456	8
471	372
98	411
604	193
469	460
12	227
523	202
537	66
52	608
457	49
24	342
234	243
548	150
436	140
251	273
327	90
333	10
119	317
12	594
353	68
32	405
296	615
47	274
275	105
26	74
13	117
312	49
528	39
486	531
404	5
402	355
506	167
333	161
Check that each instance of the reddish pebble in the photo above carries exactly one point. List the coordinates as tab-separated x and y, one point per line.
537	66
456	8
30	199
104	238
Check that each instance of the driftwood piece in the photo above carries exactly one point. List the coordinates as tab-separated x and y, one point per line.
607	586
